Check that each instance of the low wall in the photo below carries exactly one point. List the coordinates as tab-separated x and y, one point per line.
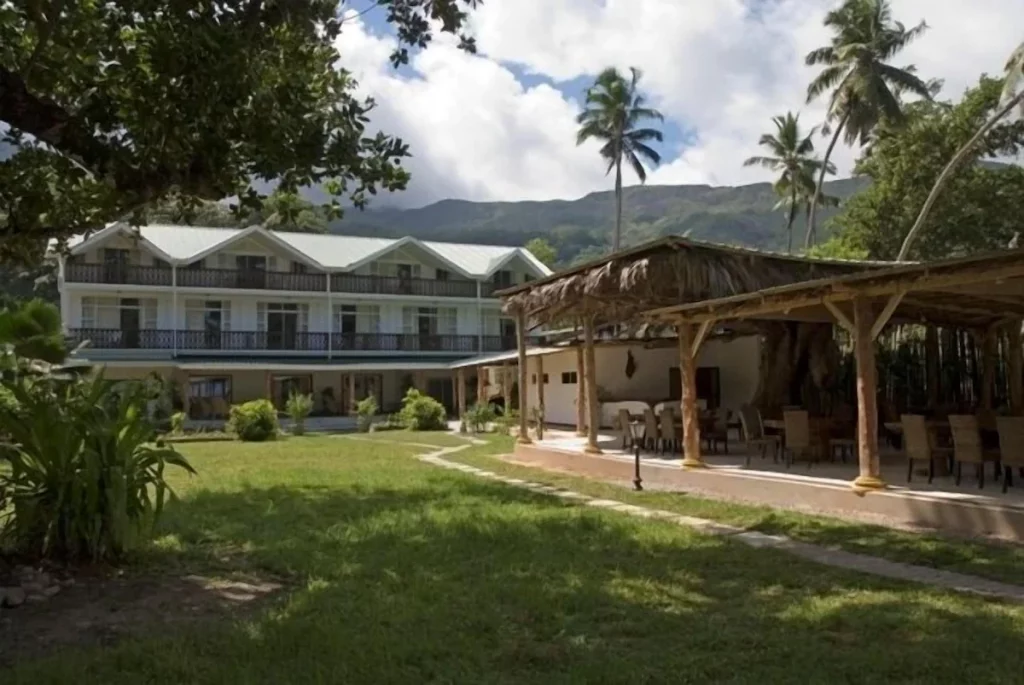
946	512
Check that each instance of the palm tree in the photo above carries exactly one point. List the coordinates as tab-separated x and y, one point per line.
791	154
864	86
1013	98
612	114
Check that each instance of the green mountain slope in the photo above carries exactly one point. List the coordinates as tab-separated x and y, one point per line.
583	227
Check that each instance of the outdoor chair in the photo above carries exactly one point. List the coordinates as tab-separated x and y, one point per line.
800	443
622	421
754	435
967	447
1011	446
669	438
918	445
715	431
650	430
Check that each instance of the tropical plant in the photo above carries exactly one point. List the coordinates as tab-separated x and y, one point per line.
791	154
34	330
422	412
864	87
545	253
1012	98
86	477
254	421
299	407
366	409
479	416
506	421
613	113
178	423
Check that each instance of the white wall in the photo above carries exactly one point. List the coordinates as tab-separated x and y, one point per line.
738	362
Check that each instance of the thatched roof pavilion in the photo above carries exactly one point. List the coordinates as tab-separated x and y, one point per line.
662	273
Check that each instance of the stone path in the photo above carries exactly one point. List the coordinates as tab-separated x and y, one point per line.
959	582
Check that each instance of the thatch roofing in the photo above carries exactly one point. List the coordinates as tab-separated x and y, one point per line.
662	273
974	292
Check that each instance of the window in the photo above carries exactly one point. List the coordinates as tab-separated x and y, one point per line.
395	269
299	268
503	279
210	386
569	378
119	313
546	379
429	320
496	324
533	381
204	315
349	318
284	315
161	263
444	275
195	265
244	262
527	278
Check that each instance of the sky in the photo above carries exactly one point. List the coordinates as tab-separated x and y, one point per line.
500	124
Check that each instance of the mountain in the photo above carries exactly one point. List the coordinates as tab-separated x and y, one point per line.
582	228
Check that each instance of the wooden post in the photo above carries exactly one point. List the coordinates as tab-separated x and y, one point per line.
460	391
692	457
524	386
352	394
1015	368
540	396
269	391
186	396
590	369
989	352
506	383
931	361
481	385
870	477
581	395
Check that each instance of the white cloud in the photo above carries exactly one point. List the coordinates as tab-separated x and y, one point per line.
721	69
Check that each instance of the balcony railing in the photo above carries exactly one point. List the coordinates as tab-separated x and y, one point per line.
394	285
248	341
255	279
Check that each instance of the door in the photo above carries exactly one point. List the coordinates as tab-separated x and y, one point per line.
425	329
708	388
212	326
404	272
115	265
130	323
441	390
252	271
507	331
282	330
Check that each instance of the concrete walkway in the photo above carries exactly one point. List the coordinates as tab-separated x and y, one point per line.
831	557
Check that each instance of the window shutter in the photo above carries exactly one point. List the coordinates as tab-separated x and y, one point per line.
303	318
261	316
225	315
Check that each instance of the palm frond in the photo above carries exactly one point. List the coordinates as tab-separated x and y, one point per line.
638	167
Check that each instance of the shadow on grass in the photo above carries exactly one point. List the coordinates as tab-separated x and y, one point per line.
454	580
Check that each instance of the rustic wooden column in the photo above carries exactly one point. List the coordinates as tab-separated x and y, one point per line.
481	386
186	396
351	378
460	389
581	394
524	386
590	369
867	386
1015	368
692	457
989	352
540	396
506	383
931	361
269	390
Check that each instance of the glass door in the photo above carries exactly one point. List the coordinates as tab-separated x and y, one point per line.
252	271
131	323
115	265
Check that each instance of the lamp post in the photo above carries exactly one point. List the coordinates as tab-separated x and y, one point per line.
637	428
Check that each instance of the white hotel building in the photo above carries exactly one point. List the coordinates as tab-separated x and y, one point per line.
238	314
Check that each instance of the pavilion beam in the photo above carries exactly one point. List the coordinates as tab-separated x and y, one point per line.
841	318
867	388
581	394
460	385
702	334
1015	367
540	396
481	386
590	369
692	457
524	387
887	312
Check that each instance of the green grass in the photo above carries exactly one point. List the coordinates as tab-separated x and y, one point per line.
988	559
420	437
407	573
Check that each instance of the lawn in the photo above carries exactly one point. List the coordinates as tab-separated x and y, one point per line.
400	572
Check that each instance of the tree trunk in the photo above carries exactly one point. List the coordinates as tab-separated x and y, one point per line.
617	241
948	172
789	223
812	212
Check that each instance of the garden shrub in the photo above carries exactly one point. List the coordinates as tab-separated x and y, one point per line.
479	416
506	421
86	473
393	422
365	411
299	406
178	423
422	412
254	421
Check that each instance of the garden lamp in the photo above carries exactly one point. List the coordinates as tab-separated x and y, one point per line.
637	428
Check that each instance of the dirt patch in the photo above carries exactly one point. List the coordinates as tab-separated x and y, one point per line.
101	609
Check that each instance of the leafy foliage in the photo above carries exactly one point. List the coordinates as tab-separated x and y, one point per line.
543	251
982	203
366	409
178	423
479	416
34	330
85	480
299	407
422	412
613	114
111	106
254	421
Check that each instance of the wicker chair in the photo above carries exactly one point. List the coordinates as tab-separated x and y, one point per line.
967	447
753	432
669	438
918	445
651	434
622	423
716	431
800	442
1011	445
